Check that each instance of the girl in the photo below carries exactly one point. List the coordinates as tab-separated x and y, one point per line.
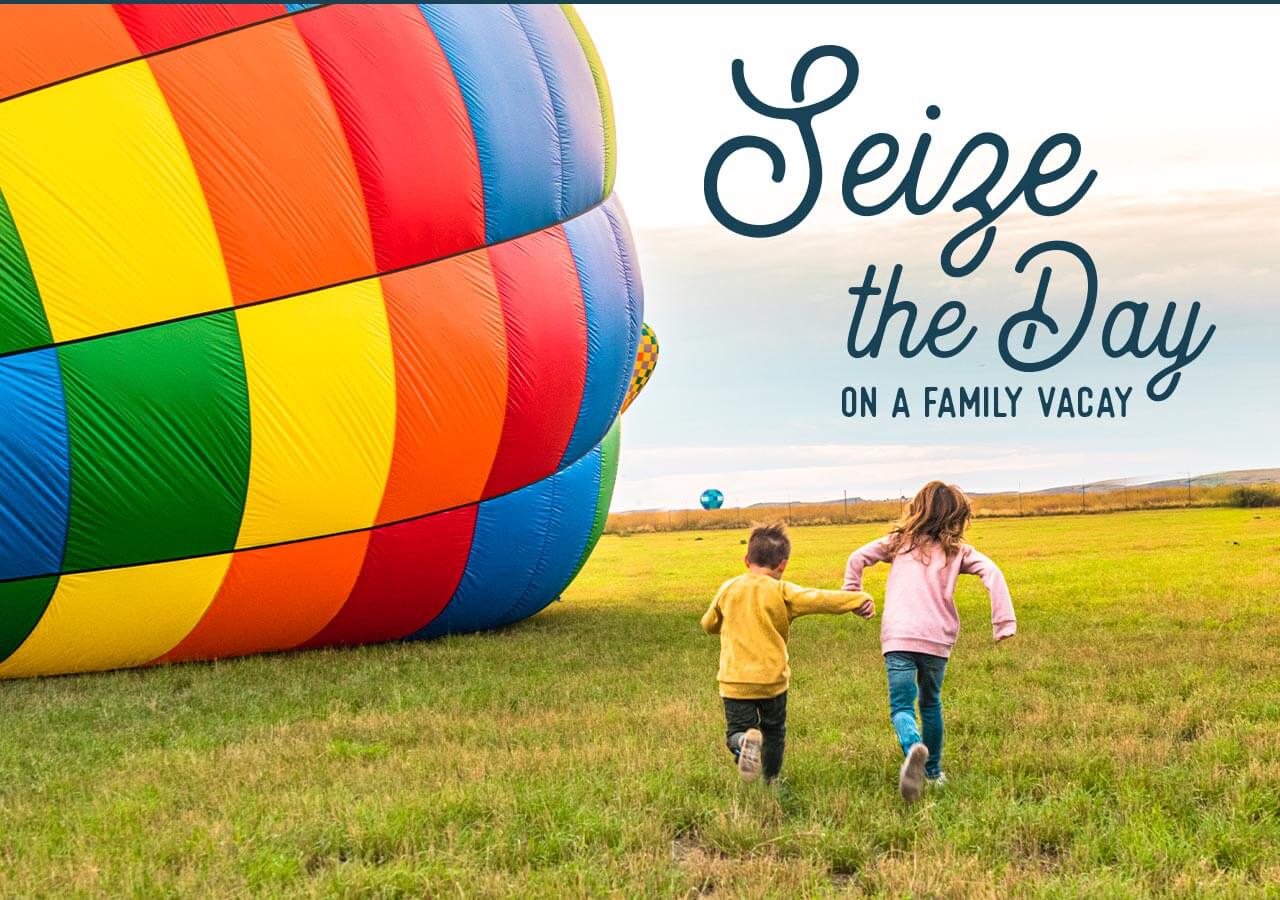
919	624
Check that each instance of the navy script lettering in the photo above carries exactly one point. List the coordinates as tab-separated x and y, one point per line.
859	173
1031	340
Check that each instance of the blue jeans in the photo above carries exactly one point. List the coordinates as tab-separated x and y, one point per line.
911	674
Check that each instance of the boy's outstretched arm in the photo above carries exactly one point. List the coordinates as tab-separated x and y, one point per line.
808	601
712	619
1003	622
866	555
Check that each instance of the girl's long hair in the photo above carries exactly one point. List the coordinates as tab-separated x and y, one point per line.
939	514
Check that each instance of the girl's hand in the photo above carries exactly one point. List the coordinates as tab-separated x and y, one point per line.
866	610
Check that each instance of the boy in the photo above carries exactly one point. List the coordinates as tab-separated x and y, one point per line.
752	614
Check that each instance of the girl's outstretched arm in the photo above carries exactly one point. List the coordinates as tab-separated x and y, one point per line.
866	555
1003	622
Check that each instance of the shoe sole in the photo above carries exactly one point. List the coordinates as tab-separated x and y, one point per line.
749	755
911	775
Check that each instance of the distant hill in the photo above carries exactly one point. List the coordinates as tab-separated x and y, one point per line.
1236	476
1214	479
1097	487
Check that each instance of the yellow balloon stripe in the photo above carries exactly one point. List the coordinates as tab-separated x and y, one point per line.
322	400
119	617
108	204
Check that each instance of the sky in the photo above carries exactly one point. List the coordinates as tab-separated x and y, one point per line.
1175	108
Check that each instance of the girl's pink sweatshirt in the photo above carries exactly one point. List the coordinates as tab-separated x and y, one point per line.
919	599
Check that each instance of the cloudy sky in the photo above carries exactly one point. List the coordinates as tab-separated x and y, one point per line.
1176	111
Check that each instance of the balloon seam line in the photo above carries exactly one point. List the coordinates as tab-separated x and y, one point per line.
563	466
154	53
315	537
302	293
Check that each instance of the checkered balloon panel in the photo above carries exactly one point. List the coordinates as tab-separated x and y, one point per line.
646	362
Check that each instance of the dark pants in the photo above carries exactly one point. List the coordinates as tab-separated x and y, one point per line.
915	676
770	716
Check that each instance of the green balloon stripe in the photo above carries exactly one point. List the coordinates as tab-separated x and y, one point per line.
608	474
22	319
22	603
158	421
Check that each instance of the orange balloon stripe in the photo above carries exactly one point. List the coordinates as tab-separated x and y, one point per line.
272	159
449	341
44	43
276	598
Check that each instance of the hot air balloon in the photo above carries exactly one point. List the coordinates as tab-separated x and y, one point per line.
646	362
315	325
711	499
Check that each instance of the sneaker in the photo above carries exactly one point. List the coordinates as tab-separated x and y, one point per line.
911	775
939	782
749	754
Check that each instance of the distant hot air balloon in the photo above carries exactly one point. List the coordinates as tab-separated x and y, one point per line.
646	362
711	499
315	324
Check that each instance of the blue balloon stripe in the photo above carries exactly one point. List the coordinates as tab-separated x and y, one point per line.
512	116
631	270
35	465
579	122
496	570
504	579
573	514
610	355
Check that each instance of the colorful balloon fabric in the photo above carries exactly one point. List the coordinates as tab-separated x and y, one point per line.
711	499
646	362
315	325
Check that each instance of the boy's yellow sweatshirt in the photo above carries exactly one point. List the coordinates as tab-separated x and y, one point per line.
752	614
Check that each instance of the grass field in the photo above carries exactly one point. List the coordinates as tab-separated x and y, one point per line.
1125	743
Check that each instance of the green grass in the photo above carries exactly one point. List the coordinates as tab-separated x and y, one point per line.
1125	743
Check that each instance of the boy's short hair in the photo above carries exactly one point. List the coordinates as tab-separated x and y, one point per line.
769	546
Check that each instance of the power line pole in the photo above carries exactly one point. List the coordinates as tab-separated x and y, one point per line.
846	505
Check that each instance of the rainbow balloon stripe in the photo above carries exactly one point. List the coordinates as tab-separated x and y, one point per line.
315	325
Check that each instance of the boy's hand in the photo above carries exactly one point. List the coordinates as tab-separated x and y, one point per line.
866	610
